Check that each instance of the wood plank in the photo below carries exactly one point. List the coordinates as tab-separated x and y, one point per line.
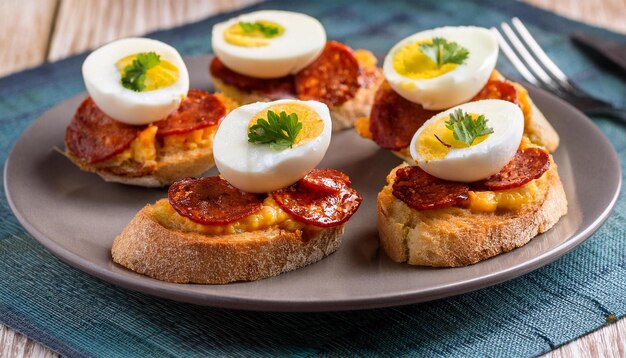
82	25
13	344
610	14
24	33
609	341
87	24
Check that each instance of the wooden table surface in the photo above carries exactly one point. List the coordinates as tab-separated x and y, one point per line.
34	31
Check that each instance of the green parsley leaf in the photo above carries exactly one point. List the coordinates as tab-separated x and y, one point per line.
266	29
465	128
279	131
441	52
134	77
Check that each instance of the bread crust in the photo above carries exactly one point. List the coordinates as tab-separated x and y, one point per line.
540	131
342	116
147	247
456	236
165	171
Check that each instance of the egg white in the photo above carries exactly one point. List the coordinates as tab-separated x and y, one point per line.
301	43
457	86
255	168
103	82
483	159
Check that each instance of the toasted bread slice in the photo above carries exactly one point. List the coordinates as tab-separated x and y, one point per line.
147	247
165	170
169	163
456	236
539	130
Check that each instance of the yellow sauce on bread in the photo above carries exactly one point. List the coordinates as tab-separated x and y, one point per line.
511	199
146	148
271	215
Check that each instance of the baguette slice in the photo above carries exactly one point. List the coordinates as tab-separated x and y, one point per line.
169	168
147	247
170	165
456	236
540	131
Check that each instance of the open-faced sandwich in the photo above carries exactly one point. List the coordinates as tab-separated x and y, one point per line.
269	212
435	70
141	124
269	55
479	188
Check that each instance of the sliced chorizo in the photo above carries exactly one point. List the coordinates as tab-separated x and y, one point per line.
274	88
318	207
211	201
93	136
329	180
394	119
422	191
200	109
527	164
332	78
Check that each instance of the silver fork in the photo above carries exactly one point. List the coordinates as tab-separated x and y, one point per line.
537	68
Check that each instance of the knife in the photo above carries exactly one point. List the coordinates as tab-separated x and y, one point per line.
612	50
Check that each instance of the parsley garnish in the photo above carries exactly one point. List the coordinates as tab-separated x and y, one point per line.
134	77
266	29
441	51
465	128
279	131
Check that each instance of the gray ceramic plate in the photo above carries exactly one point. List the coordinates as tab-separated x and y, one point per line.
76	215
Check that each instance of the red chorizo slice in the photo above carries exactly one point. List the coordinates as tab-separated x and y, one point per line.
211	201
422	191
94	137
527	164
318	207
332	78
394	119
497	89
328	180
274	88
200	109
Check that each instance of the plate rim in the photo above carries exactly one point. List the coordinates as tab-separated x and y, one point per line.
156	288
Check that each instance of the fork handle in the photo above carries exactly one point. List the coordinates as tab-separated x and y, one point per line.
618	114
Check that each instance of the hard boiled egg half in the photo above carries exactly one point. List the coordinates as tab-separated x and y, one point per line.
268	44
412	73
437	151
164	85
262	168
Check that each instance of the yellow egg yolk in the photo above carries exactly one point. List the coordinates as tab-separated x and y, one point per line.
160	76
431	148
237	35
312	124
410	62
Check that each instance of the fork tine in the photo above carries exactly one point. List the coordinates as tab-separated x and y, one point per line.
510	54
527	57
538	51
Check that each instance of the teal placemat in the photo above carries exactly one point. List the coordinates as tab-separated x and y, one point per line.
78	315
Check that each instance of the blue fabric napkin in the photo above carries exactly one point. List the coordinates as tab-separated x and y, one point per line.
78	315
